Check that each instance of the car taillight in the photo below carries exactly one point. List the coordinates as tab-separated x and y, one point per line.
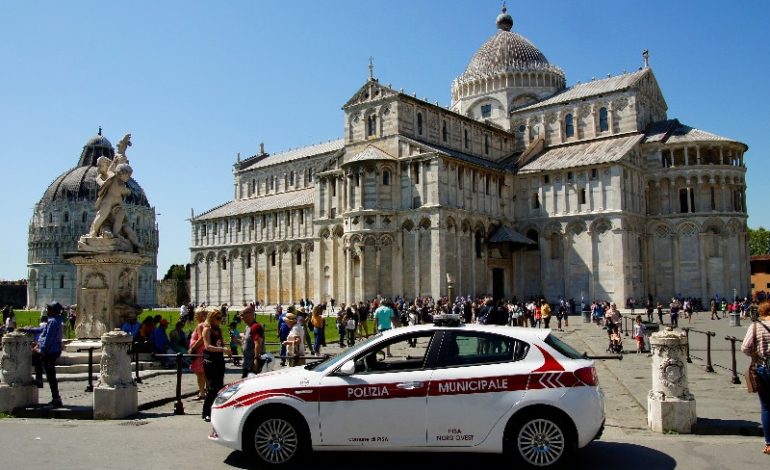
588	376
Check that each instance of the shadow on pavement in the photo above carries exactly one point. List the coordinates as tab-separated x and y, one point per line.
728	427
596	455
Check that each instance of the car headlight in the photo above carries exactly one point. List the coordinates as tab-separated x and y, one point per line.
227	393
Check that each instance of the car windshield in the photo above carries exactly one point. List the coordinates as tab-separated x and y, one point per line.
563	348
324	365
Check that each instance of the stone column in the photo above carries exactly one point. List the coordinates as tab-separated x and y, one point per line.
417	260
670	405
377	256
16	385
115	395
349	274
279	283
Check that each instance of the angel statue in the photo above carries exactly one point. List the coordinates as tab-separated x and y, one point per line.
110	213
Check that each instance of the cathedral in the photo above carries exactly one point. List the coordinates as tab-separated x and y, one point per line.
65	212
522	187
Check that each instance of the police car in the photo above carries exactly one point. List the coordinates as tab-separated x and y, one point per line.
465	388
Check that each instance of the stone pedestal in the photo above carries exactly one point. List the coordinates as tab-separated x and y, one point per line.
670	405
16	385
106	290
115	395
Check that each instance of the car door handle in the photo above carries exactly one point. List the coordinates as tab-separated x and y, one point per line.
409	385
302	392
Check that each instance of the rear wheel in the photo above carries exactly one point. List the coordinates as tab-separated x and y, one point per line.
540	440
276	440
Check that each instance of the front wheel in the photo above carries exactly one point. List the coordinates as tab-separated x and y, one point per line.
275	440
540	441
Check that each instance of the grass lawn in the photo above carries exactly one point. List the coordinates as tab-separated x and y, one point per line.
32	318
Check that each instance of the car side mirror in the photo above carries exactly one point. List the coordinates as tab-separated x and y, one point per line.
348	368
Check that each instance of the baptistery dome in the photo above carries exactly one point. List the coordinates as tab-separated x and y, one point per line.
80	182
65	212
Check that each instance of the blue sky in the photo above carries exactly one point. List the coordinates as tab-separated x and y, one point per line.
198	82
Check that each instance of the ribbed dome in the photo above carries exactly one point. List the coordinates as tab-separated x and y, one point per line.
79	183
505	52
98	141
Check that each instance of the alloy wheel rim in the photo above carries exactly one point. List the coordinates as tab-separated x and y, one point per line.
541	442
276	441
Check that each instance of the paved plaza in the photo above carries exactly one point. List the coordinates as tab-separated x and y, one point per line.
728	423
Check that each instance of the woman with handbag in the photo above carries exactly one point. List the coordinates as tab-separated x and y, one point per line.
757	346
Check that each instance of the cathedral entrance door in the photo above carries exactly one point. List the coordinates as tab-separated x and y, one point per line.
498	283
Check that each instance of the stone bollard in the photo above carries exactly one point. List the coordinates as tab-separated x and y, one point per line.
115	395
670	405
16	385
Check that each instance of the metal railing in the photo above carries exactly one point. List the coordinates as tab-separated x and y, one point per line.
178	405
90	349
709	335
735	379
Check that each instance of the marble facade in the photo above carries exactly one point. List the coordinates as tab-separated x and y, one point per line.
521	187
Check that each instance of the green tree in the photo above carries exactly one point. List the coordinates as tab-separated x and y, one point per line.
179	274
759	241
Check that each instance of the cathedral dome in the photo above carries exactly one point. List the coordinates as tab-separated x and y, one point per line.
79	183
505	52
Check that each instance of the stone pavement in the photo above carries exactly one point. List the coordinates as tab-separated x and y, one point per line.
722	407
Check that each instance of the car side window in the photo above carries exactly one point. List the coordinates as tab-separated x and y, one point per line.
466	348
402	353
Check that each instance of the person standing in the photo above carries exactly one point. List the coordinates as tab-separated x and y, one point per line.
385	318
214	350
49	347
319	329
714	309
560	313
295	340
253	342
639	332
223	310
351	323
10	322
363	317
674	317
235	340
341	326
196	347
283	333
545	313
756	345
183	312
7	312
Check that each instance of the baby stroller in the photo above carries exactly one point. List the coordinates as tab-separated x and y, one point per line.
615	345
